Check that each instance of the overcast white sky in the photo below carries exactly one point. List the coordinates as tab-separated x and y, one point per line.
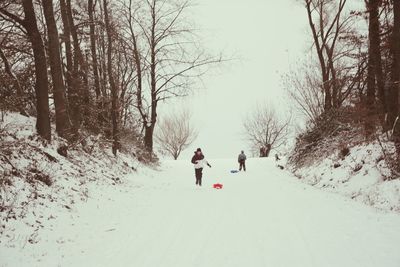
266	35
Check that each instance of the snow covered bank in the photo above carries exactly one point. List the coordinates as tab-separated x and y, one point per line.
360	173
263	217
38	184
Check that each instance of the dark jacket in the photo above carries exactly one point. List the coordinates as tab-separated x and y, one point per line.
197	157
242	157
199	161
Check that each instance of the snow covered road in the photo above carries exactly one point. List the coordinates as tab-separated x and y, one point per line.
264	217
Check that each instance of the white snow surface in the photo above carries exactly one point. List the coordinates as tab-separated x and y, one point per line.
363	175
264	217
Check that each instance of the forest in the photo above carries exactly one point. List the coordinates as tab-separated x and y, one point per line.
104	67
97	67
351	85
102	103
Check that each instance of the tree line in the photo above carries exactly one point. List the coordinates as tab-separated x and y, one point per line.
98	65
355	65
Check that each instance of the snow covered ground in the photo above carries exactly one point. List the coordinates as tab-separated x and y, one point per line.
37	183
362	175
264	217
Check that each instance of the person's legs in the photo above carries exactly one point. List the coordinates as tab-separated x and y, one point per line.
200	175
196	171
244	165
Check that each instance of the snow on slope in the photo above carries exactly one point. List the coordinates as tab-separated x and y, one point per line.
264	217
361	175
37	184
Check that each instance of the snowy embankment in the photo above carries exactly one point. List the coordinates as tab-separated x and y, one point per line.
38	184
360	173
263	217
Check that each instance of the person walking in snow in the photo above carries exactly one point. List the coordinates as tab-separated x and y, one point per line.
242	161
199	161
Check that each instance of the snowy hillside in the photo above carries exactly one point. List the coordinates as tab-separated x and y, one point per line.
362	174
38	184
264	217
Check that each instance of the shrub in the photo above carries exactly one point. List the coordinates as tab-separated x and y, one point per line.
321	138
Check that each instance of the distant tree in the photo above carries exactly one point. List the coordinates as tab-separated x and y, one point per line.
175	133
265	130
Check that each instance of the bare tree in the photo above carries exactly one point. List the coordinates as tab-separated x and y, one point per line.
79	70
70	74
29	23
62	121
335	69
304	88
113	86
393	103
175	133
167	57
327	31
375	81
6	31
16	83
265	129
92	24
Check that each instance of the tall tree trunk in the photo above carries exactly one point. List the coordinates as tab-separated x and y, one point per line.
148	138
62	122
395	83
319	46
373	30
149	128
72	89
79	70
103	60
375	46
327	92
113	86
325	39
41	85
102	51
94	60
395	73
333	100
138	68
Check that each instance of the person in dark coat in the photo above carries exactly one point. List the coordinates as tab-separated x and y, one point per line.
242	161
199	162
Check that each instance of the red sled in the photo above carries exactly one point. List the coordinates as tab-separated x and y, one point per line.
218	186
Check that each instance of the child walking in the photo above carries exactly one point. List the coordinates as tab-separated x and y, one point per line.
242	161
199	162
